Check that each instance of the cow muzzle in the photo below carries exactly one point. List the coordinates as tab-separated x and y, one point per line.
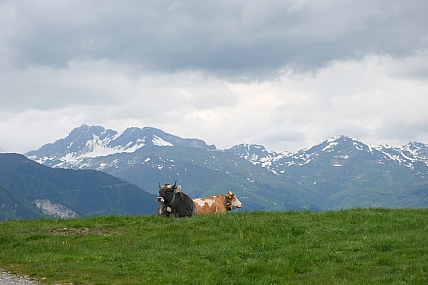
160	200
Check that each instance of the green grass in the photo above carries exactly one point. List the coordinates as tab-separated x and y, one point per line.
357	246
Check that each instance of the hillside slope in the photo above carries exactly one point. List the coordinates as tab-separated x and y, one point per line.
14	207
83	192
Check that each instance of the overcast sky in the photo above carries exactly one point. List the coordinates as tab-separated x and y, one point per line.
283	74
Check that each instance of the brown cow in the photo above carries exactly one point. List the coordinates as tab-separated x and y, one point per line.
217	204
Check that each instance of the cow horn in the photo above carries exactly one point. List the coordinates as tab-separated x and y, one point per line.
173	186
159	185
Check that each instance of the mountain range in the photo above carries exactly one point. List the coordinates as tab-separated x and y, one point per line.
338	173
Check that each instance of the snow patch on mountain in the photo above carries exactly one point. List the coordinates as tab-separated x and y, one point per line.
160	142
330	146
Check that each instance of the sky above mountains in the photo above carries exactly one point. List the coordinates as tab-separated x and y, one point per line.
284	74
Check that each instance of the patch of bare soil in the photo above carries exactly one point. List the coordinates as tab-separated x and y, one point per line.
81	231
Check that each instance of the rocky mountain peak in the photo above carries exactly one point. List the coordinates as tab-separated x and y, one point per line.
95	141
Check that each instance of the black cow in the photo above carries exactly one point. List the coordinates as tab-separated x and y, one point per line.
175	203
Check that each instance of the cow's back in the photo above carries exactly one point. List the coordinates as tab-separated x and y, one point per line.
183	206
210	205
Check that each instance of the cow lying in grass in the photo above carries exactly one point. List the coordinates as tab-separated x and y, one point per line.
217	204
175	203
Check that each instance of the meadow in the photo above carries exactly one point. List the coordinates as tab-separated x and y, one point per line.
355	246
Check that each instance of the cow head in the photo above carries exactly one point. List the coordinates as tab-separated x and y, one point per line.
167	193
232	202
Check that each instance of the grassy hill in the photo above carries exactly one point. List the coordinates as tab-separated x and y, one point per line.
356	246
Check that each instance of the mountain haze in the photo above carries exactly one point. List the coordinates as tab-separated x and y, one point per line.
338	173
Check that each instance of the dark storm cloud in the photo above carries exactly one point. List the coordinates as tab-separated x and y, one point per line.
240	39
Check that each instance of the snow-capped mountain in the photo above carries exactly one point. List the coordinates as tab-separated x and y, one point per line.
88	142
338	173
413	155
342	172
338	150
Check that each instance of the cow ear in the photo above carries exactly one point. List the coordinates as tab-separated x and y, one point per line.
177	189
